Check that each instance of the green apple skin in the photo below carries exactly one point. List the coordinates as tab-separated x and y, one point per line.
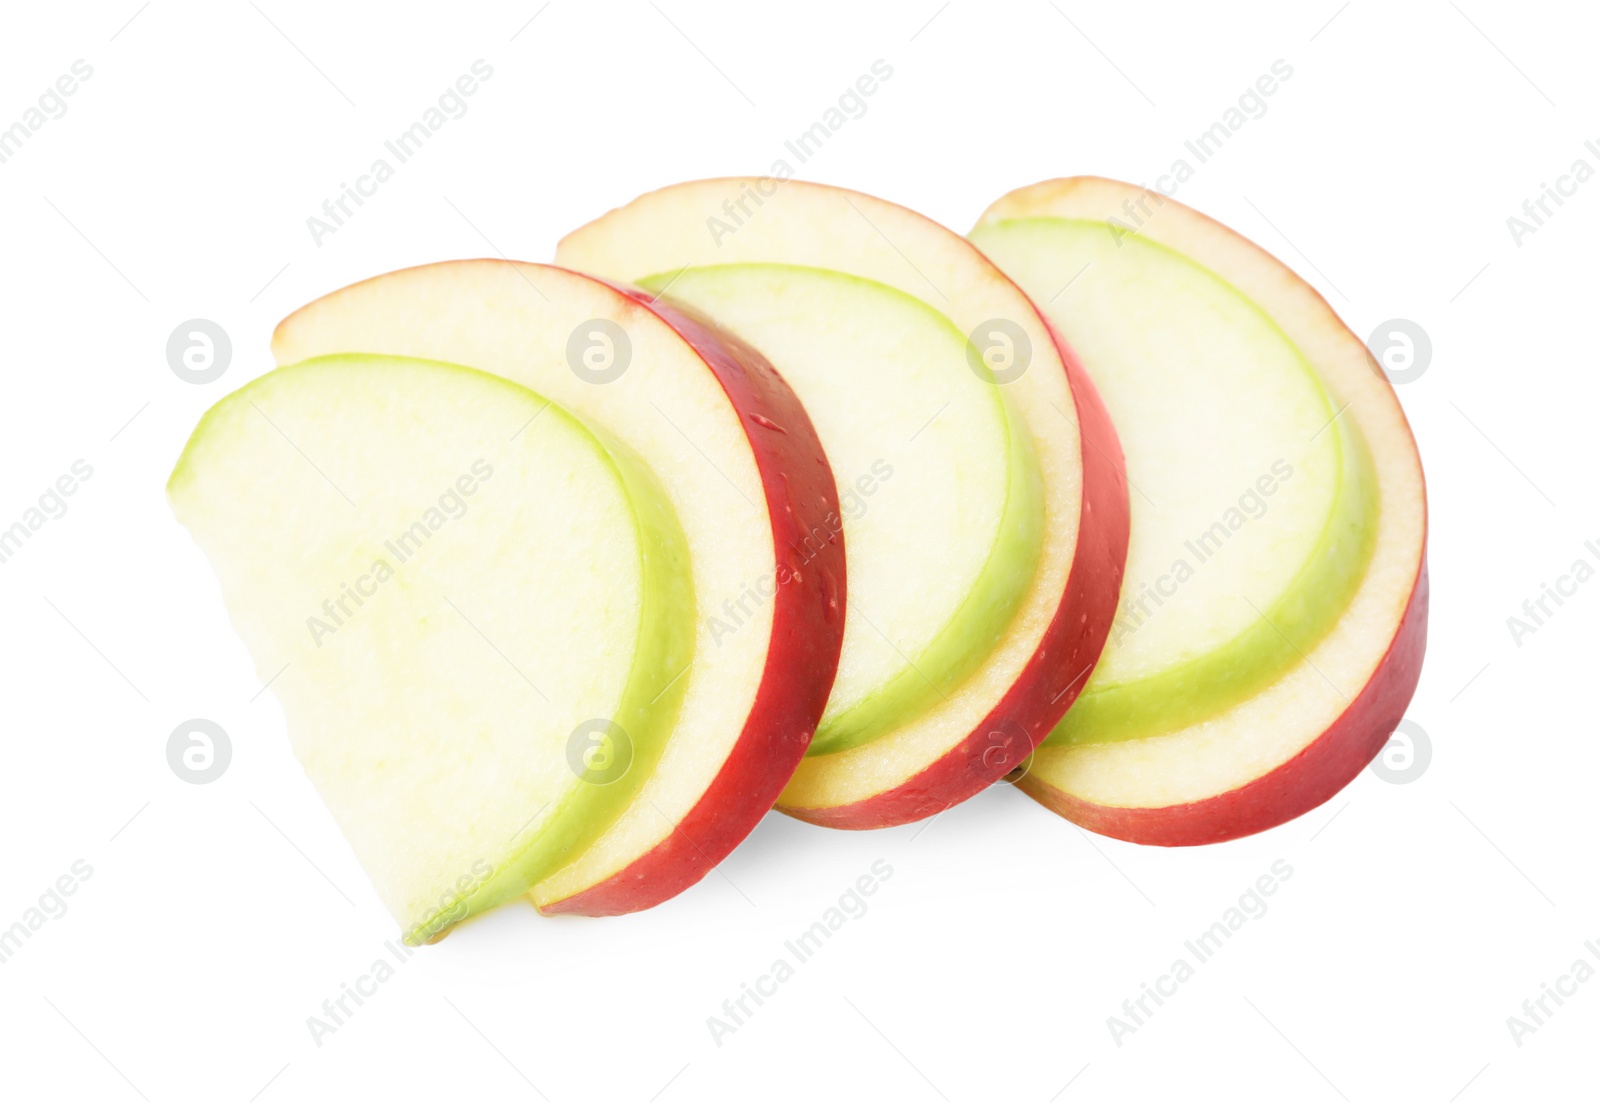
648	711
1222	678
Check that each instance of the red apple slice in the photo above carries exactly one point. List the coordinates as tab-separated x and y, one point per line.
745	474
984	726
1292	745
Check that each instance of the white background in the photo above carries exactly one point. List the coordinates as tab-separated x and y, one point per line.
219	917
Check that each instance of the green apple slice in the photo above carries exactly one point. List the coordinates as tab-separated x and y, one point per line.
1252	505
471	607
939	485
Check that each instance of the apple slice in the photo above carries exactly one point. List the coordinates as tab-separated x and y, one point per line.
743	472
942	500
472	610
1253	514
1035	663
1255	674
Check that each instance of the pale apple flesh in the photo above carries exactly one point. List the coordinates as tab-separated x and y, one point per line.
982	728
1290	746
1311	777
695	406
1254	509
942	503
470	606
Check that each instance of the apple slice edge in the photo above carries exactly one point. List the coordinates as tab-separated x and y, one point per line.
807	634
1332	753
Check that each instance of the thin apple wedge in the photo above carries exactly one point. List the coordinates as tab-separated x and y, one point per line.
1273	619
471	607
960	656
744	474
942	501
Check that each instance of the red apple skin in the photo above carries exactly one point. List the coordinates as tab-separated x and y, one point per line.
1067	653
1321	769
807	629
